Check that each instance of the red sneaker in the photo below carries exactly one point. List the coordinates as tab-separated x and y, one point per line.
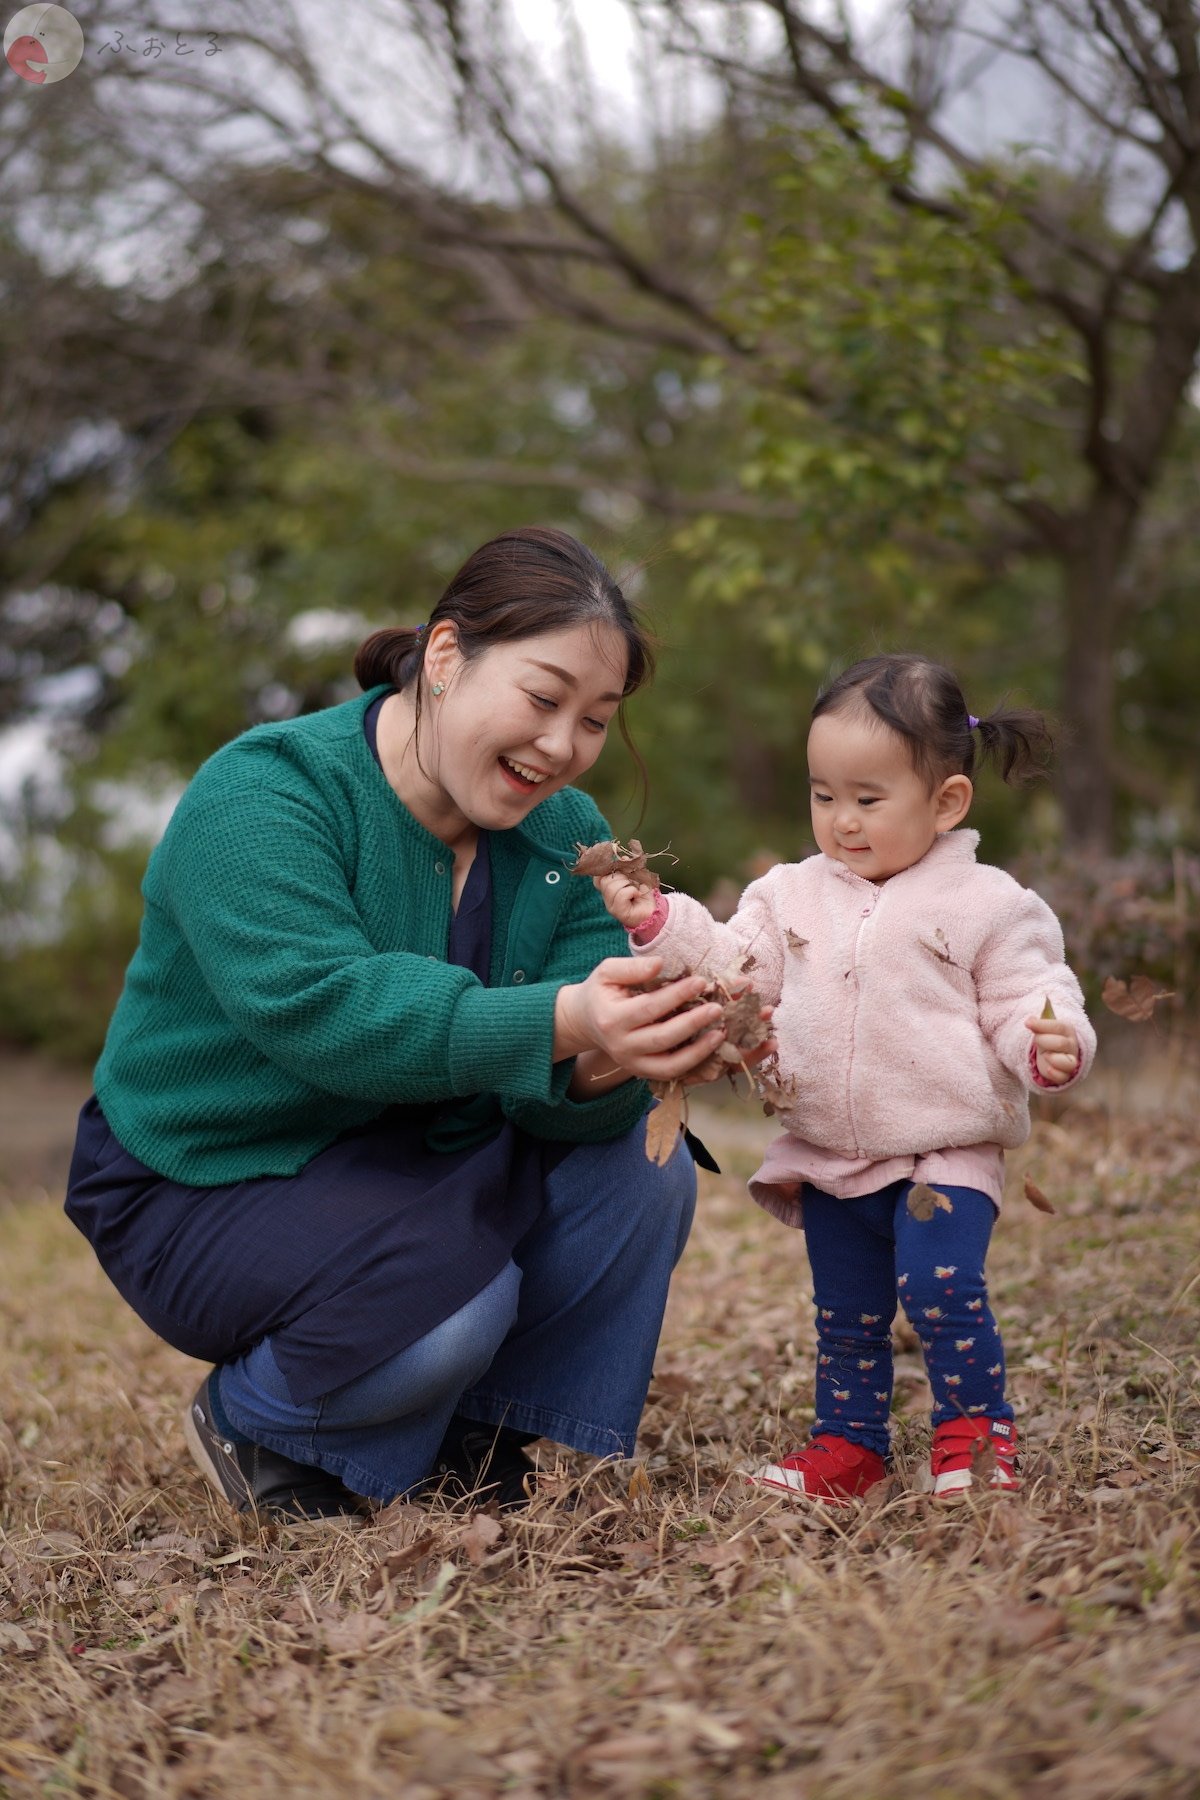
966	1448
829	1468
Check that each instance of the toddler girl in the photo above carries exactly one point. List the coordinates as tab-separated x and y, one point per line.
910	986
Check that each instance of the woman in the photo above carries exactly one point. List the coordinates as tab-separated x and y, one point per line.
365	1130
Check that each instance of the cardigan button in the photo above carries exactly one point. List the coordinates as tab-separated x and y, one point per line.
518	977
439	868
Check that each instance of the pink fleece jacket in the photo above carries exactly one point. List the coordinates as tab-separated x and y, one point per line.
899	1014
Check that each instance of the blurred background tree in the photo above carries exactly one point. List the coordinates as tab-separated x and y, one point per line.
819	359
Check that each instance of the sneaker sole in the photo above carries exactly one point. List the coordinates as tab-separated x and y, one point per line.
762	1479
956	1487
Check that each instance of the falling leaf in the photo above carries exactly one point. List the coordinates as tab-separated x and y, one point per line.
924	1201
1035	1196
665	1122
1134	1000
794	941
1048	1011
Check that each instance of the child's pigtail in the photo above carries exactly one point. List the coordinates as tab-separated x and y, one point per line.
1018	742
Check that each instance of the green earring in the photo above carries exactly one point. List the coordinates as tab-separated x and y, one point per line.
438	688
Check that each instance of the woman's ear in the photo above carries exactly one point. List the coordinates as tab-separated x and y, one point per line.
442	655
953	802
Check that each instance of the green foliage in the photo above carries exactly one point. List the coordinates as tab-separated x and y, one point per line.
851	460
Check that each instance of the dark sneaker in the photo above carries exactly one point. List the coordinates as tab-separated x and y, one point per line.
252	1479
484	1463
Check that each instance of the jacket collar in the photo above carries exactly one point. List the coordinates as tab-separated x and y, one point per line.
952	847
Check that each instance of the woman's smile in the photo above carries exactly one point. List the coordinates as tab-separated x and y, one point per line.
521	775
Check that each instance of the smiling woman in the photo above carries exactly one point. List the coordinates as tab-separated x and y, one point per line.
363	1131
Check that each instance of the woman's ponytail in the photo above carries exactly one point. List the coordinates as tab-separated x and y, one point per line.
388	658
1017	742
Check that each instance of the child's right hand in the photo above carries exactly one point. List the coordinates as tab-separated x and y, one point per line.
628	903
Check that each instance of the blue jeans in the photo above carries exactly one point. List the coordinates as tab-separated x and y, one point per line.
866	1254
560	1344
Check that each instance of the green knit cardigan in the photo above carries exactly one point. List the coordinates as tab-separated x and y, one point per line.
290	981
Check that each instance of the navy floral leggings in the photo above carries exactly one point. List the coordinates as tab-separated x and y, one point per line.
868	1253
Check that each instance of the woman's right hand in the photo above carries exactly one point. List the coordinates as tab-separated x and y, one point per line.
645	1034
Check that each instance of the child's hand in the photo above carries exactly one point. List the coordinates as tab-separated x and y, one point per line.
628	903
1056	1048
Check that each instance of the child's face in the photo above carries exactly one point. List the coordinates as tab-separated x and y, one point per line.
870	808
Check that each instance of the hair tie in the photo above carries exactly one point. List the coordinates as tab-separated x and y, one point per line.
972	722
420	629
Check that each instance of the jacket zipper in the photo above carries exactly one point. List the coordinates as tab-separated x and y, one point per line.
863	922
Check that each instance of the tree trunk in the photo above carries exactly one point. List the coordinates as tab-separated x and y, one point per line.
1092	561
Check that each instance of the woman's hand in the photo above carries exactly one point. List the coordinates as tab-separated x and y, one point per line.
629	904
643	1034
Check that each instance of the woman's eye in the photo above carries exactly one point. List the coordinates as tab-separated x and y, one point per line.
597	724
544	700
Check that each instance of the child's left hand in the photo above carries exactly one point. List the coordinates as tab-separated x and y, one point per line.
1056	1050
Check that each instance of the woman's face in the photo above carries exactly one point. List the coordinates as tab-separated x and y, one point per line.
521	720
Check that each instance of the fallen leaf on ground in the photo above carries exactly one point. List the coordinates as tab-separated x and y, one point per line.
481	1536
1175	1735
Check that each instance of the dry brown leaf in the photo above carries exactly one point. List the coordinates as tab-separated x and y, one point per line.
481	1537
1020	1628
665	1122
924	1201
1035	1196
1175	1735
794	941
611	857
1134	1000
1047	1010
639	1484
353	1634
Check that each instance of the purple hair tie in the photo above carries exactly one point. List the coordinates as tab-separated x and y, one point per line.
972	721
420	629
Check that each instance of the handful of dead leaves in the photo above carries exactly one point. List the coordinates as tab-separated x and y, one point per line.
741	1013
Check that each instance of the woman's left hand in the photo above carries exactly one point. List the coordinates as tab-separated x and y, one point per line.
642	1029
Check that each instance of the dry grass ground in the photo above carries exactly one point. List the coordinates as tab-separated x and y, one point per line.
676	1635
